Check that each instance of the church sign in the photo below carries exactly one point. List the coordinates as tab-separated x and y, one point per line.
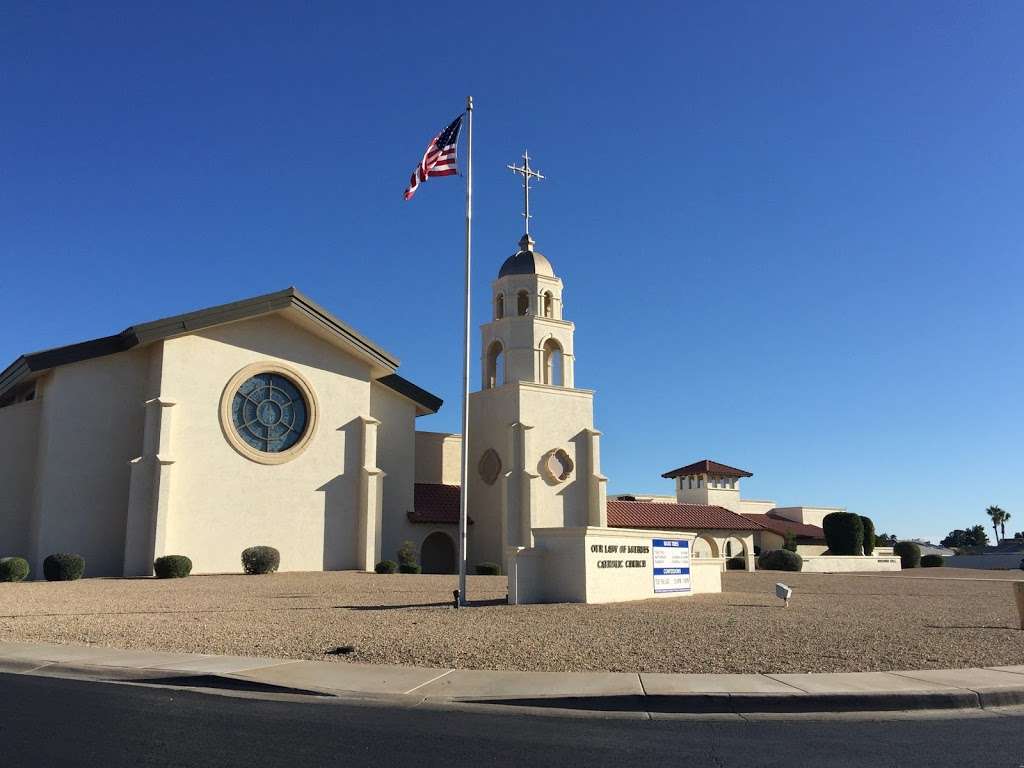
671	560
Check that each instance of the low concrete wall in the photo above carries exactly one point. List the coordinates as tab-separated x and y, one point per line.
607	565
996	561
849	564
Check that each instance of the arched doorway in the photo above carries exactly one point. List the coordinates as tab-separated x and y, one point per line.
704	547
437	555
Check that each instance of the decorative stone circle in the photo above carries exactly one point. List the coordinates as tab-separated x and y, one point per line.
490	466
557	465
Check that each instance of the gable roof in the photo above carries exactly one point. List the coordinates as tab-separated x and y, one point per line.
648	514
711	467
436	503
289	299
782	526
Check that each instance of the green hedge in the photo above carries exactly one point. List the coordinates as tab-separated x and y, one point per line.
869	534
172	567
932	561
63	567
386	566
909	552
257	560
780	560
13	568
409	568
408	554
487	569
844	533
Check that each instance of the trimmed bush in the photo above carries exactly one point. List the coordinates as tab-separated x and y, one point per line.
172	567
932	561
869	534
735	564
408	554
409	568
386	566
487	569
63	567
780	560
13	568
257	560
909	552
844	533
789	541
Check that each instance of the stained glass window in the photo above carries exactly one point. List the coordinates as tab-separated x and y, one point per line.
269	413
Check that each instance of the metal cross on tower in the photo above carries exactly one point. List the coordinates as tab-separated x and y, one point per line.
527	173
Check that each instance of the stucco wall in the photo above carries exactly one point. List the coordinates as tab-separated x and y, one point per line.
18	425
396	455
438	457
222	502
807	515
996	561
573	563
90	428
849	564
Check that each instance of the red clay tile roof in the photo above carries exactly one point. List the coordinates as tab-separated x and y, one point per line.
712	467
781	526
647	514
435	503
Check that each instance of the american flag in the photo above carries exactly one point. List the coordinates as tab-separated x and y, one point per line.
439	159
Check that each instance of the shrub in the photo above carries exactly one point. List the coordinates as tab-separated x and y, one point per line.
386	566
172	567
909	552
13	568
932	561
256	560
407	554
63	567
409	568
780	560
789	541
735	564
869	534
487	569
844	533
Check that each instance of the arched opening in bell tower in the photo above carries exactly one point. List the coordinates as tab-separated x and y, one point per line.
499	307
547	304
494	366
523	302
553	363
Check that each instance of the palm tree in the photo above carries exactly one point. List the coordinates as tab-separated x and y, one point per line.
998	517
1002	524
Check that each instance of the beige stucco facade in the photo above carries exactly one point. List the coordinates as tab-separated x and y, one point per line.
127	456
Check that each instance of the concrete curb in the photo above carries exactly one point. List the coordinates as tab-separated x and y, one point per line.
649	693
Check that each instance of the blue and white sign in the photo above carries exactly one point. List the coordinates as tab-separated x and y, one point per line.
671	559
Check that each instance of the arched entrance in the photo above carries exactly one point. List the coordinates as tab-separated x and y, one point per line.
437	555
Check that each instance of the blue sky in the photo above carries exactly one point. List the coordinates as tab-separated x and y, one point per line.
790	233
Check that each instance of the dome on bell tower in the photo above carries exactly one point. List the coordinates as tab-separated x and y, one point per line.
526	261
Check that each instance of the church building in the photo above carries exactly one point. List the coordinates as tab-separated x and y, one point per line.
271	421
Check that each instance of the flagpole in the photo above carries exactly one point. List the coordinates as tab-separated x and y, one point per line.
464	471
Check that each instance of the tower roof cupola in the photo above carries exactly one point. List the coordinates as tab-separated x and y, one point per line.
526	261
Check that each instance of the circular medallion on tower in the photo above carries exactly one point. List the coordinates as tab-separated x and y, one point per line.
557	465
490	466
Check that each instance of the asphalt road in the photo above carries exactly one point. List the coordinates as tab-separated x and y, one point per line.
55	722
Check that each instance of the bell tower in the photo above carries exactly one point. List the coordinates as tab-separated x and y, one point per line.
534	455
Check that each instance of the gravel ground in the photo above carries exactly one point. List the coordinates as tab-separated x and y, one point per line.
834	623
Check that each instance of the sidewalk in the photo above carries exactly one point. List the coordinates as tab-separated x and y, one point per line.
980	688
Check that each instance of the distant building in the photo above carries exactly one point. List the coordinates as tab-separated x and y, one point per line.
707	500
